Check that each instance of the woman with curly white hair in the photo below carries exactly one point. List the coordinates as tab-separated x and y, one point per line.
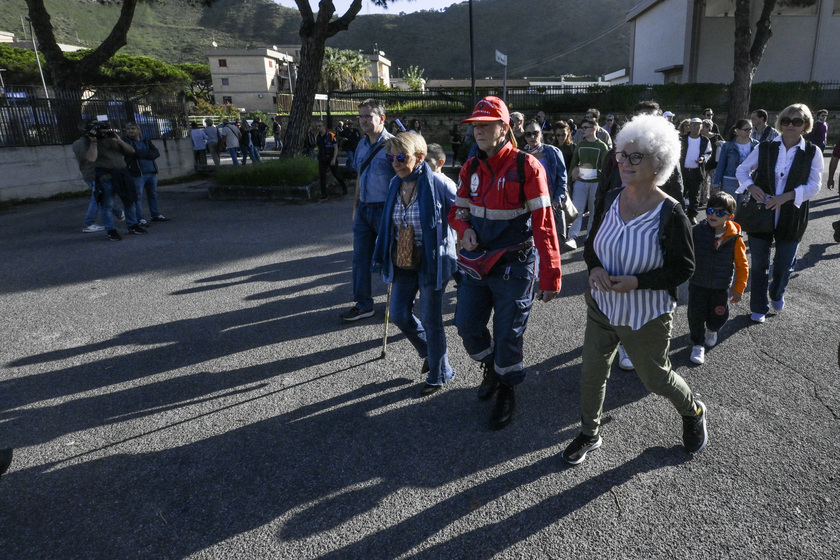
639	251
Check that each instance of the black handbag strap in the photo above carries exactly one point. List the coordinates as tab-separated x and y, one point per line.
370	158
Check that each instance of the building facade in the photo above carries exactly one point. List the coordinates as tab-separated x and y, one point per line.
250	79
693	41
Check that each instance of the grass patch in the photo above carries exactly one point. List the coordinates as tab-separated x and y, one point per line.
284	172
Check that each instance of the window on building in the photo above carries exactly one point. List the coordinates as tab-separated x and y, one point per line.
272	82
222	63
225	81
274	100
227	100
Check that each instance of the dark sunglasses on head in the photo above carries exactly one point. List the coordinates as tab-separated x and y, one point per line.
784	121
399	157
717	212
708	114
534	133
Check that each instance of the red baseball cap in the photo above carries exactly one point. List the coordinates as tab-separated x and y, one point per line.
489	109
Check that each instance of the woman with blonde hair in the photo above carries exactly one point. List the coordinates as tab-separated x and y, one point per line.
787	174
415	253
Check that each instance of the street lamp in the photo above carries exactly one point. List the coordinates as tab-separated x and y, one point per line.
38	58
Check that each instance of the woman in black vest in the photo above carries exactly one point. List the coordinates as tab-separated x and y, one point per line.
784	173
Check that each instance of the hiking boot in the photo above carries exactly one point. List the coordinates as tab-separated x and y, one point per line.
489	382
113	235
695	435
576	452
503	410
354	314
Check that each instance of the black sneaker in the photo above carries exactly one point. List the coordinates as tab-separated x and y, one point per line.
5	460
489	382
354	314
113	235
425	367
137	229
695	435
160	218
576	452
836	226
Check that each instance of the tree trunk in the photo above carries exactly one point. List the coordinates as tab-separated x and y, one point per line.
747	57
306	86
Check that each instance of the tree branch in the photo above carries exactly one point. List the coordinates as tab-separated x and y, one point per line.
343	23
763	32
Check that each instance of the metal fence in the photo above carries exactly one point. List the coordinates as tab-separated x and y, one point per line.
569	98
27	118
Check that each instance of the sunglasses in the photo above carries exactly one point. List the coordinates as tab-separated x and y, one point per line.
634	158
784	121
717	212
399	157
534	134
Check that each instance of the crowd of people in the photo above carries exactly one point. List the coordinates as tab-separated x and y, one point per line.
664	209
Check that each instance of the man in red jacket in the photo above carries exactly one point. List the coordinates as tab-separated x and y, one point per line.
502	209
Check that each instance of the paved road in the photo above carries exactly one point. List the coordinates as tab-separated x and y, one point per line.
192	394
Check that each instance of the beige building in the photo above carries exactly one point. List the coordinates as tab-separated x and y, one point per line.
693	41
380	68
250	79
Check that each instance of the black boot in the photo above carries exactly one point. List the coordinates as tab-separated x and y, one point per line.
503	410
489	383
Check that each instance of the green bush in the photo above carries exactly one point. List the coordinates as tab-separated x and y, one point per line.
285	172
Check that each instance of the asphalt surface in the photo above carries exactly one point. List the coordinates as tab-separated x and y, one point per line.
192	393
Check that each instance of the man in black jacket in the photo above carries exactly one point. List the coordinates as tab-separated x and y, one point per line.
696	150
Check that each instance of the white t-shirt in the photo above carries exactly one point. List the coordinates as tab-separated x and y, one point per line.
692	154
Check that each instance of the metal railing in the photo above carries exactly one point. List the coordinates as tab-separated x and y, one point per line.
29	119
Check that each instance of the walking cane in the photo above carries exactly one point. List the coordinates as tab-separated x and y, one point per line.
387	317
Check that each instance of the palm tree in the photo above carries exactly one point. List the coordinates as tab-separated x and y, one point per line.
343	69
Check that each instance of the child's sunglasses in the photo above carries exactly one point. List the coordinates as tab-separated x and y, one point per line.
717	212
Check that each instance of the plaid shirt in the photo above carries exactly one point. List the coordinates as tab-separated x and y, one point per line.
407	215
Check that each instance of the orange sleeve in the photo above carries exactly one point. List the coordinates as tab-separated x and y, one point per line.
742	267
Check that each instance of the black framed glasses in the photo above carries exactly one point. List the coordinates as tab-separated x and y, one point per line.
720	213
635	158
532	134
784	121
399	157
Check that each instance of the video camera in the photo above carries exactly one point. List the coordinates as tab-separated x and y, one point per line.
100	128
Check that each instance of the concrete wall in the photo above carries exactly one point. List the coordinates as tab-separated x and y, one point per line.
43	171
659	41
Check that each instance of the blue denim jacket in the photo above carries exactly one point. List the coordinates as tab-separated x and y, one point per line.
730	159
373	183
555	168
439	260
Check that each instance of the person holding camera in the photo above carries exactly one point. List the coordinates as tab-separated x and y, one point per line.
88	170
143	170
107	152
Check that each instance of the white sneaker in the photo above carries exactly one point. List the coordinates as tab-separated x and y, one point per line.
623	359
757	317
92	228
144	223
570	244
698	355
711	338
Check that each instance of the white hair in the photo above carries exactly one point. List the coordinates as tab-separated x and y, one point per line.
656	138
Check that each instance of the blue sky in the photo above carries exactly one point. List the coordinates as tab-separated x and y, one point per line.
393	8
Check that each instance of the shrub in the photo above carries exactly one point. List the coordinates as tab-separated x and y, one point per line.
285	172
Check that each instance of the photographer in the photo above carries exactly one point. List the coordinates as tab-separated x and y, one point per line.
107	152
88	170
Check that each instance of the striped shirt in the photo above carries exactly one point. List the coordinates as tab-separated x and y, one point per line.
627	249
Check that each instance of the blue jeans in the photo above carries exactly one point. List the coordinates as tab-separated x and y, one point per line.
760	271
147	182
233	156
427	334
365	230
351	155
507	292
249	150
93	206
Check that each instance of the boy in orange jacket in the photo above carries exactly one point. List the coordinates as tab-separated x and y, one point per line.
720	273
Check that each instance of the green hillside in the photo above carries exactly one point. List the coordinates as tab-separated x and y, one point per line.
534	34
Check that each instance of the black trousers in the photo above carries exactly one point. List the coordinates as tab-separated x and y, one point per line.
692	180
323	167
707	308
